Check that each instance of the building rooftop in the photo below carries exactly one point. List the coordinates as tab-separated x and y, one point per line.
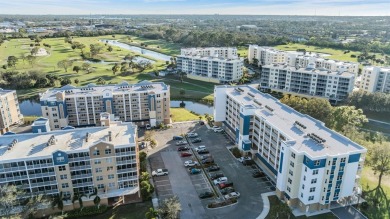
36	144
2	91
212	58
310	70
295	125
381	69
93	89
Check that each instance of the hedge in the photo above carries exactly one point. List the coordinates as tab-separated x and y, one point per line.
87	211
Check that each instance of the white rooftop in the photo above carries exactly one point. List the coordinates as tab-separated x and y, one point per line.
212	58
35	144
310	70
283	117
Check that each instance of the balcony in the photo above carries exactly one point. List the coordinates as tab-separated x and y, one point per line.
83	167
39	166
12	169
43	183
40	175
80	176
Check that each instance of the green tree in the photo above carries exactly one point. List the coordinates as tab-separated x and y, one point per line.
65	64
110	49
34	51
95	49
170	208
146	190
101	81
97	199
58	201
86	67
116	68
379	159
151	214
11	61
255	62
76	81
76	68
78	196
9	198
144	176
31	59
65	81
344	117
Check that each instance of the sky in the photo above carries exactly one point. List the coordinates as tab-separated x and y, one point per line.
233	7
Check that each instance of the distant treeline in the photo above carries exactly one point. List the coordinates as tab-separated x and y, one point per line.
31	79
372	102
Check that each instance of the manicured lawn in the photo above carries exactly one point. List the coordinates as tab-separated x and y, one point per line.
243	51
130	211
181	115
161	46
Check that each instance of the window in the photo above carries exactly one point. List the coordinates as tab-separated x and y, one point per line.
65	185
291	163
109	160
98	161
100	186
96	152
317	163
303	186
288	189
342	160
334	163
312	189
339	177
99	178
292	155
304	178
305	169
315	172
111	185
290	172
301	195
289	180
61	168
336	194
111	176
341	169
337	186
311	198
98	170
62	177
314	181
107	151
111	168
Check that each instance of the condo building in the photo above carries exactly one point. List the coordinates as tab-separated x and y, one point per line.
312	166
218	65
10	112
311	81
92	161
269	56
375	79
142	103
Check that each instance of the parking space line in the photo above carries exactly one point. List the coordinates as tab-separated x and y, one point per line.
161	180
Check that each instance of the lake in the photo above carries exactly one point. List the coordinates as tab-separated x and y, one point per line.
143	51
136	59
33	107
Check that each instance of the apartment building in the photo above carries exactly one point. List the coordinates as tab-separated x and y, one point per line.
74	160
218	65
222	52
375	79
269	56
313	167
10	112
310	81
142	103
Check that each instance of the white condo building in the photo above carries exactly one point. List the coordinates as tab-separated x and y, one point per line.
142	103
375	79
311	81
269	56
218	65
312	166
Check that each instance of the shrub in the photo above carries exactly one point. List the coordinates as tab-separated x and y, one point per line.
236	152
87	211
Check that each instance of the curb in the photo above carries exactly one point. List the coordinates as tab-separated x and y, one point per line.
223	206
266	204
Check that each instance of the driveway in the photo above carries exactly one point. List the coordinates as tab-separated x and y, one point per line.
348	212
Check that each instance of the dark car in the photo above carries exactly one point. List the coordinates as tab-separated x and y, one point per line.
203	152
257	174
208	160
201	123
213	168
185	154
178	138
206	195
196	140
225	184
183	149
248	162
216	175
227	190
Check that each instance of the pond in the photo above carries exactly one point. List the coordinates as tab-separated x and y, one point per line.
136	59
33	107
143	51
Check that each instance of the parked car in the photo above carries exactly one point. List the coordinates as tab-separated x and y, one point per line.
195	171
208	160
177	138
160	172
181	143
225	184
201	123
192	135
215	127
248	162
216	175
227	190
206	195
185	154
241	159
218	130
202	147
148	127
232	195
190	163
257	174
213	168
203	151
220	180
183	149
206	156
196	140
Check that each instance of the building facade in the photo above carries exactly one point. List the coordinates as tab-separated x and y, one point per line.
311	81
10	112
218	65
265	55
74	160
312	166
142	103
375	79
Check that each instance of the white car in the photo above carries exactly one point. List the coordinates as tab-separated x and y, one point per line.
148	127
160	172
192	135
218	130
241	159
181	143
220	180
200	148
190	163
232	195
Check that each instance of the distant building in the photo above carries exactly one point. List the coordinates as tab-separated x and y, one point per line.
218	65
312	166
10	112
142	103
265	55
375	79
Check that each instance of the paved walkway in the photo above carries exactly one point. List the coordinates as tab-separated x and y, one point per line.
266	205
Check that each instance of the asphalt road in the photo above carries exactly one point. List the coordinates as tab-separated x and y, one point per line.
348	212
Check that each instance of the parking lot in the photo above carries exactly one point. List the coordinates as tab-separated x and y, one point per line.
188	187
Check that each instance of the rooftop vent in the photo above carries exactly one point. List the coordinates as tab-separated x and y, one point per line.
109	136
239	89
250	94
51	141
300	126
12	144
87	136
269	108
316	138
258	103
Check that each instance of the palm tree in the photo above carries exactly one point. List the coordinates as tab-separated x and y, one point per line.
97	199
151	214
182	93
77	196
58	201
170	208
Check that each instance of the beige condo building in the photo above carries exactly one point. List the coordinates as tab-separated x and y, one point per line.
10	112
